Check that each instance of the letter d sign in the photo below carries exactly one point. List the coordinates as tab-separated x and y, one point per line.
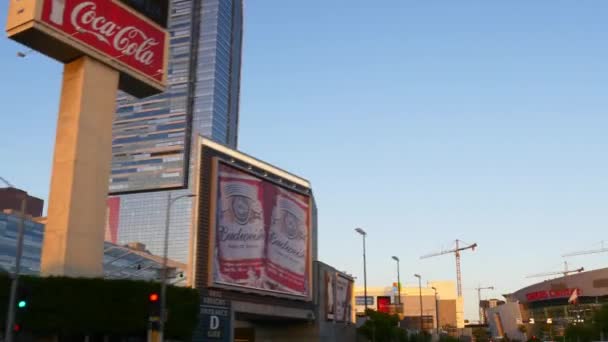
214	323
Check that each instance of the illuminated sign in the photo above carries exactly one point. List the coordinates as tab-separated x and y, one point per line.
551	294
106	30
384	304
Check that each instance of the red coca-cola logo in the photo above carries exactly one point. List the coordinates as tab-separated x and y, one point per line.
112	29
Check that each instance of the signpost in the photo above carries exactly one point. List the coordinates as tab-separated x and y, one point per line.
215	319
105	46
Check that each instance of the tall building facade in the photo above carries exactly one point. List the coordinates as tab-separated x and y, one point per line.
153	137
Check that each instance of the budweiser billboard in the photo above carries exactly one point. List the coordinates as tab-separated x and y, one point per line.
344	298
106	30
338	297
262	234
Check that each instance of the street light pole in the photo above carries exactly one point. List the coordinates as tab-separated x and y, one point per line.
10	317
436	310
420	291
163	289
364	234
398	282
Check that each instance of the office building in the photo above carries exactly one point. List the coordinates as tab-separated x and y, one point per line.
11	198
153	137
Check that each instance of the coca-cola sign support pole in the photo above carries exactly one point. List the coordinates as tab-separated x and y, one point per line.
105	45
74	233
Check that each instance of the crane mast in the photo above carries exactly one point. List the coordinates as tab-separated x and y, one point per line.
456	252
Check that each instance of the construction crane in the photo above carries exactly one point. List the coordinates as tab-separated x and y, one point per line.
589	251
481	313
456	252
565	272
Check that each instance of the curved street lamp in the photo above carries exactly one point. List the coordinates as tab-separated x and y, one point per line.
420	290
364	234
10	316
163	289
398	282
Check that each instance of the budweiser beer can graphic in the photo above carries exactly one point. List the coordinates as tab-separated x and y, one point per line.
287	251
240	234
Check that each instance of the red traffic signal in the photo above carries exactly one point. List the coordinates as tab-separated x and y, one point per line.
16	327
153	297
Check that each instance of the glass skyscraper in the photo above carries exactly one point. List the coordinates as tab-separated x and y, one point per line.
152	137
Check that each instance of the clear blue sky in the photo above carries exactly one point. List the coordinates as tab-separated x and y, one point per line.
421	121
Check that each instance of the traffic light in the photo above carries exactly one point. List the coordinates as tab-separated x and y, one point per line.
154	304
154	310
23	296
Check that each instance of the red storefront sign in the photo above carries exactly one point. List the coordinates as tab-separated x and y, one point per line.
551	294
384	304
111	29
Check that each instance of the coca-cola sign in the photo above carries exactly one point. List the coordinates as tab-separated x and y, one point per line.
112	29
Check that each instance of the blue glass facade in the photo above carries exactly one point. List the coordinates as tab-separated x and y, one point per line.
119	262
154	137
32	244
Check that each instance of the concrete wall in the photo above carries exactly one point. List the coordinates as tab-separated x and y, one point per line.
503	320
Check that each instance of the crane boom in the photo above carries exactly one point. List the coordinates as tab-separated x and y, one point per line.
565	272
6	182
457	249
591	251
456	252
602	249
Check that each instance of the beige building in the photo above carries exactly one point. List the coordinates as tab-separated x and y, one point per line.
447	304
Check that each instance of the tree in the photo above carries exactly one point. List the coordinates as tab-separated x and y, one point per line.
601	321
522	329
447	338
581	333
382	327
481	334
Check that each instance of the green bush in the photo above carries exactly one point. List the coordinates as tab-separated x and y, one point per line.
78	306
382	327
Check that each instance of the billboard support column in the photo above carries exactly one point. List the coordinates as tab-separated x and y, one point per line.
74	234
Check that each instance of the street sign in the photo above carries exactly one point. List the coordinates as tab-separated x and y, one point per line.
360	300
215	319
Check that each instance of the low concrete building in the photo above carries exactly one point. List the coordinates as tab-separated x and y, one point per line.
444	311
333	318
